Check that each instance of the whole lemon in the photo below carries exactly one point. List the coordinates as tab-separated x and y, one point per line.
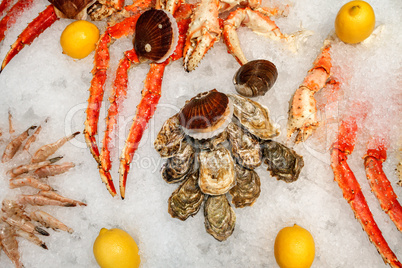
79	38
116	248
355	22
294	248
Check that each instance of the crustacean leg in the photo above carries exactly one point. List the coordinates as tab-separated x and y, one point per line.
379	183
352	192
5	6
302	107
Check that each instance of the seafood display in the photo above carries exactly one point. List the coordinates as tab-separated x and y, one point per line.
20	216
194	143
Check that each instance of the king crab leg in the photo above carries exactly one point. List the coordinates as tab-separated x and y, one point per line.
350	187
5	5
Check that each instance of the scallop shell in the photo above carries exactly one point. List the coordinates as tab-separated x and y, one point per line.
169	139
206	115
220	217
254	117
156	35
255	78
216	171
245	147
179	165
283	162
186	200
247	188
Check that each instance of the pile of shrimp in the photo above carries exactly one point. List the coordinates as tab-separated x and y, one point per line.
21	216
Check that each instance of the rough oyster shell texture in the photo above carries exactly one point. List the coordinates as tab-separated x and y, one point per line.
186	200
247	188
254	117
170	137
216	171
219	216
179	165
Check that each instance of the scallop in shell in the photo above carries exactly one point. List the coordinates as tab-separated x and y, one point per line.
255	78
206	115
179	165
186	200
220	217
156	35
247	188
254	117
169	139
216	171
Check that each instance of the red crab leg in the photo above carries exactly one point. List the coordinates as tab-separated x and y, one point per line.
45	19
350	187
380	185
4	6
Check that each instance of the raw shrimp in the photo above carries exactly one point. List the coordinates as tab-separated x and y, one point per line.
31	167
31	237
55	196
40	200
9	244
23	225
52	170
49	221
30	180
32	139
15	144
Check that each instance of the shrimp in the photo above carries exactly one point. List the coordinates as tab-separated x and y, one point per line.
31	237
9	244
32	139
24	225
55	196
10	123
31	167
49	221
15	144
39	200
31	180
52	170
47	150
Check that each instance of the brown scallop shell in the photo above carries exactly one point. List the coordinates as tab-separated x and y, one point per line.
207	113
255	78
156	35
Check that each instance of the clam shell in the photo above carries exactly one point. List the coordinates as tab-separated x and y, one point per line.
247	188
156	35
216	171
169	139
186	200
255	78
220	217
283	163
179	165
206	115
254	117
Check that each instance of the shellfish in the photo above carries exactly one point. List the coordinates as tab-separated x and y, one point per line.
247	188
255	78
179	165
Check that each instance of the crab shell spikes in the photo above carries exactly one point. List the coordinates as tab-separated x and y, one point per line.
206	115
156	35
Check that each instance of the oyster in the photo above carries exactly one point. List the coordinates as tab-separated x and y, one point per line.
254	117
216	171
170	137
179	165
186	200
255	78
208	144
206	115
71	9
283	162
247	188
156	35
245	147
220	218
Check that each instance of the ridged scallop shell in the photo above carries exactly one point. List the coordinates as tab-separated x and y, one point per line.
179	165
186	200
220	217
245	147
255	78
170	137
283	163
247	188
206	115
216	171
254	117
156	35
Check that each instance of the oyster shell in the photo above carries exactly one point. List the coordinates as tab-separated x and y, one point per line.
255	78
186	200
283	162
170	137
254	117
247	188
156	35
208	144
245	147
206	115
216	171
179	165
71	9
220	217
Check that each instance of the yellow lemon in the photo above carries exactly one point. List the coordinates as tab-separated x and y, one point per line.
116	248
355	22
79	39
294	248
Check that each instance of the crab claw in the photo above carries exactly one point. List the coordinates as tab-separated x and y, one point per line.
202	33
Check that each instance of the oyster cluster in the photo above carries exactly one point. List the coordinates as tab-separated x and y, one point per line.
212	147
